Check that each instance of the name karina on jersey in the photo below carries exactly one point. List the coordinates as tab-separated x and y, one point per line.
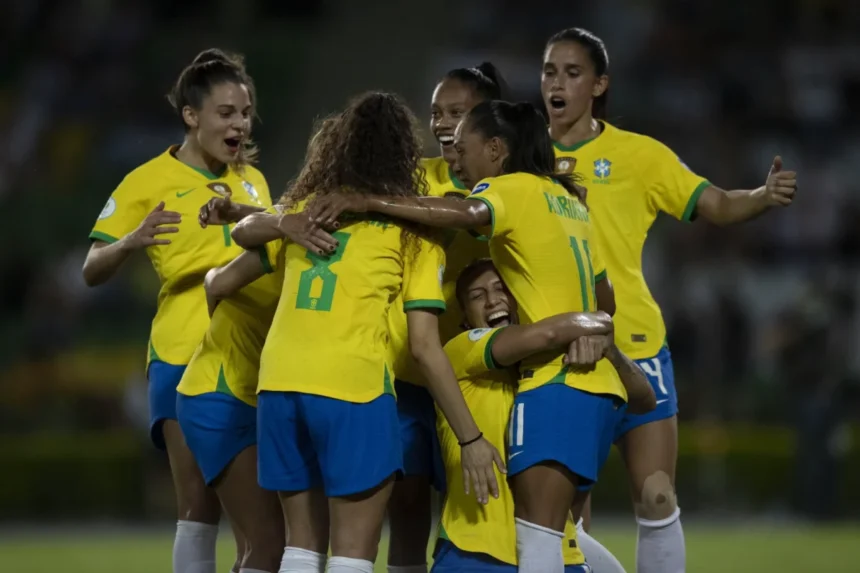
564	207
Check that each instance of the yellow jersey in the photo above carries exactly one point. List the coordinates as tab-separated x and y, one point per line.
461	248
541	242
181	318
630	178
330	333
228	359
489	393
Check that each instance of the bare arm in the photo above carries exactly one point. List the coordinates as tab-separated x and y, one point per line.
640	395
257	229
605	296
517	342
478	456
104	259
223	211
443	212
223	282
726	207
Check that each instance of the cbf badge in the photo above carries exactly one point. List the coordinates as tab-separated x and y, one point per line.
565	165
220	188
251	191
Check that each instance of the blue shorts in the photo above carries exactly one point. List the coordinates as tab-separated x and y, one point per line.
661	375
558	423
163	380
422	455
449	558
307	441
217	427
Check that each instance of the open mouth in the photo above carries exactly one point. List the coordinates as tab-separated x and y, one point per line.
233	144
557	103
499	318
445	139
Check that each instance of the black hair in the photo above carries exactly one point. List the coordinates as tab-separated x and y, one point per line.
468	274
523	129
596	53
485	80
210	68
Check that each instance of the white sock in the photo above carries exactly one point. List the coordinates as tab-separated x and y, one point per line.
539	548
194	547
246	570
297	560
349	565
408	568
598	557
660	547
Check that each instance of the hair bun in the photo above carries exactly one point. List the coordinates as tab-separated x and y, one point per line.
210	55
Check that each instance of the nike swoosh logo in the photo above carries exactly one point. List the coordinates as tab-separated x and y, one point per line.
513	455
661	401
178	194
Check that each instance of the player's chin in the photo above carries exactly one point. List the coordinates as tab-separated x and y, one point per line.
449	154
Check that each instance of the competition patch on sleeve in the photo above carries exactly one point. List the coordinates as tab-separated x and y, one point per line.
109	209
681	161
480	188
441	275
478	333
251	191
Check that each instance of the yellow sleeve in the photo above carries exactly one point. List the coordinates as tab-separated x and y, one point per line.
422	278
471	352
272	255
596	259
127	206
503	198
671	186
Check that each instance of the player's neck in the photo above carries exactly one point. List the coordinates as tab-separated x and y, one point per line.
568	135
190	154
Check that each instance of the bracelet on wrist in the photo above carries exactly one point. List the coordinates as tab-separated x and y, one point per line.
472	441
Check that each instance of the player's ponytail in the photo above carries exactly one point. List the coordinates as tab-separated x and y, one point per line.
210	68
599	57
523	129
485	79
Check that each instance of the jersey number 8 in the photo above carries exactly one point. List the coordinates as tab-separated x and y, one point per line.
320	298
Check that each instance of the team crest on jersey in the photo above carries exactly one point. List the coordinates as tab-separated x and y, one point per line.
478	333
565	165
602	168
480	188
251	191
109	209
221	188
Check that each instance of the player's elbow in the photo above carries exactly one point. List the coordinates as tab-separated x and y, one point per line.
242	236
476	216
92	274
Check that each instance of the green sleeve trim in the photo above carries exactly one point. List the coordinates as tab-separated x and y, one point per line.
424	304
492	215
99	236
264	258
489	361
457	183
600	276
690	211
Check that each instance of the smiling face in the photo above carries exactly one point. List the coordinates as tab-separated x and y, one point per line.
569	82
223	122
487	302
452	100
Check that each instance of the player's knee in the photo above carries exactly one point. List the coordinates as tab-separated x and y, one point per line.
657	497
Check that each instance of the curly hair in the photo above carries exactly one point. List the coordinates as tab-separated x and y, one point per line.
372	147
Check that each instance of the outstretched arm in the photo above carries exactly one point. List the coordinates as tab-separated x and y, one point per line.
257	229
726	207
443	212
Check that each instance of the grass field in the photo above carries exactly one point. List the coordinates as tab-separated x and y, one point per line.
735	548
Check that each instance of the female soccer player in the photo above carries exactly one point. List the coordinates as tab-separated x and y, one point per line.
484	359
540	239
409	509
630	178
214	98
329	439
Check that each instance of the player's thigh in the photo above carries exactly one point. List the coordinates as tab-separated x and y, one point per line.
195	501
356	522
306	517
255	511
544	493
409	521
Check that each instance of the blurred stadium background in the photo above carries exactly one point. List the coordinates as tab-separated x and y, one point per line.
763	318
